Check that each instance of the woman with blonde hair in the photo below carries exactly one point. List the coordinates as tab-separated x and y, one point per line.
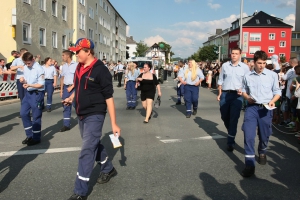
191	78
129	85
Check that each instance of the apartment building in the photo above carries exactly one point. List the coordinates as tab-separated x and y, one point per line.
47	27
295	49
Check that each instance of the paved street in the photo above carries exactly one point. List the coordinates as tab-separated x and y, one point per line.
172	157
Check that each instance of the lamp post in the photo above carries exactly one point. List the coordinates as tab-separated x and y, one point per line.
241	24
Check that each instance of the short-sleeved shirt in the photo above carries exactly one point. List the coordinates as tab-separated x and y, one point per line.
261	87
132	77
50	72
188	79
120	68
34	75
18	62
68	72
231	77
289	77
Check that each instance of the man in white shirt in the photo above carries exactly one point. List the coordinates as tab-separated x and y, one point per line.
120	69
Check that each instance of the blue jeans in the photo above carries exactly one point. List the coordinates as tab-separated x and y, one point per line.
131	94
230	108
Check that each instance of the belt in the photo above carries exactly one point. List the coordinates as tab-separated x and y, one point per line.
131	81
68	85
257	104
230	91
34	91
48	79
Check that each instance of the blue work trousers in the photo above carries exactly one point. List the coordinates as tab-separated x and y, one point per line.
131	93
230	108
191	95
256	116
32	101
180	93
67	109
21	90
92	150
49	89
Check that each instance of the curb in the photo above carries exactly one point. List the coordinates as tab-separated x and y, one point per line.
7	102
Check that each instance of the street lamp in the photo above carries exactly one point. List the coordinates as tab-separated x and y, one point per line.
241	24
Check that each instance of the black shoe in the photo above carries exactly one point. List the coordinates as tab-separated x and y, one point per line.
19	116
26	140
105	177
49	110
230	148
188	115
77	197
248	171
195	112
33	142
262	159
132	108
178	103
64	128
128	108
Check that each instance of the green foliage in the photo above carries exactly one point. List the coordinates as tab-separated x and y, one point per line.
141	49
207	53
282	59
167	48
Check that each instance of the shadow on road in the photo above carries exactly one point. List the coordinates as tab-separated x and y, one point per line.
7	128
9	117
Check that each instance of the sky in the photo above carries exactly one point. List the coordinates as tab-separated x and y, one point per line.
186	24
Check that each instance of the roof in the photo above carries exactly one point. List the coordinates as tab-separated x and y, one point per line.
130	40
265	20
117	12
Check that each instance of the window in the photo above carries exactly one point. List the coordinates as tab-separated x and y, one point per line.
91	34
81	21
252	50
282	33
108	11
257	21
54	8
268	21
271	36
42	37
43	5
64	13
104	5
91	13
101	3
54	39
281	55
282	43
27	1
271	49
100	38
26	33
295	35
295	48
96	9
96	26
255	36
82	2
64	42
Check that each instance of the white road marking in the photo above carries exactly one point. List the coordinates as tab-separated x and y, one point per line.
214	137
39	151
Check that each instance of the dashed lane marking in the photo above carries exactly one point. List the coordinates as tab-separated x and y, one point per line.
213	137
39	151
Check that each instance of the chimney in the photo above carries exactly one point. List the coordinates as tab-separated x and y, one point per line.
218	31
297	20
131	37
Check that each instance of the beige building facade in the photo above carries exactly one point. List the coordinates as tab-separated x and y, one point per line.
47	27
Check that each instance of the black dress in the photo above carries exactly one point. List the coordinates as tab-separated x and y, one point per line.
148	87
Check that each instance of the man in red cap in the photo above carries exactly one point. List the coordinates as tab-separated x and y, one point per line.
93	97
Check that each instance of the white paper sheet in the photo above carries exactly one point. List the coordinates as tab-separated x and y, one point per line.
269	108
115	141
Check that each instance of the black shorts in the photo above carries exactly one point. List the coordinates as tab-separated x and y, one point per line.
147	95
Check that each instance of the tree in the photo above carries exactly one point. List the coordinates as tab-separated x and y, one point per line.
167	48
282	59
207	53
141	49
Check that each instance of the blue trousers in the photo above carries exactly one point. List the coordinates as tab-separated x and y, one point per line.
92	150
21	90
67	109
49	89
191	95
230	108
180	93
260	117
32	101
131	93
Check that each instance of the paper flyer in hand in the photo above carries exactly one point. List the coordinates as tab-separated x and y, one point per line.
269	108
115	141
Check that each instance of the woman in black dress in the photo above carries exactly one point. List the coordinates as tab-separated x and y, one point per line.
148	83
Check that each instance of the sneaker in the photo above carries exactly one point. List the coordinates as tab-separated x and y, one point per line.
282	124
105	177
77	197
33	142
297	135
26	140
195	112
178	103
128	108
49	110
288	126
132	108
262	159
248	171
64	128
188	116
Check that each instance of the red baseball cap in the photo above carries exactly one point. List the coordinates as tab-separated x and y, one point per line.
82	43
